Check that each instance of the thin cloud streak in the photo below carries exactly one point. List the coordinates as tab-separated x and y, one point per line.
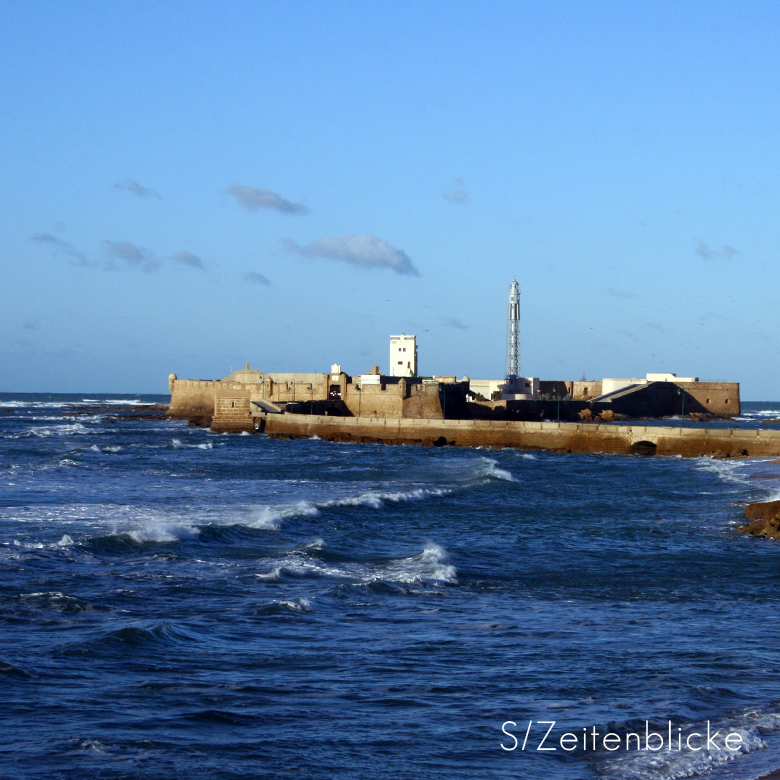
255	278
256	198
450	322
131	185
364	251
456	192
707	253
120	254
74	256
623	294
189	259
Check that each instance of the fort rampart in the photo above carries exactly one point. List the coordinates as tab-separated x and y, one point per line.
556	437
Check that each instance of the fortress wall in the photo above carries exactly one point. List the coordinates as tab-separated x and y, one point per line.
584	389
307	378
195	397
381	400
553	387
395	400
719	398
557	437
231	411
286	387
423	401
192	397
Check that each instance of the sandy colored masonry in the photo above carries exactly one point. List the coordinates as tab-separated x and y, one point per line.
556	437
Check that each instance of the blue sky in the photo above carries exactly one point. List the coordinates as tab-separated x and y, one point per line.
189	186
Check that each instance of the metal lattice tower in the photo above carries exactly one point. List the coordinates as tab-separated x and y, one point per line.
513	332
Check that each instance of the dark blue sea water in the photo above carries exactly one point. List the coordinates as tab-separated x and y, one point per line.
180	604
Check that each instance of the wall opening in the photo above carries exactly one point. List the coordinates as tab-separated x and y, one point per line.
646	448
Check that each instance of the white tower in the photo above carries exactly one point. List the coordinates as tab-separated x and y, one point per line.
403	355
513	333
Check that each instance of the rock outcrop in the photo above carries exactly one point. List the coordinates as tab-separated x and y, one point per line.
765	519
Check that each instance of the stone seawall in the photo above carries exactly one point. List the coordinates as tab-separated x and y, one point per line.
556	437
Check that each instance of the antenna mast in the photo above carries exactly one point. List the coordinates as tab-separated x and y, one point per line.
513	333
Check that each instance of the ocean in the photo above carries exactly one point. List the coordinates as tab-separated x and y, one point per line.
180	604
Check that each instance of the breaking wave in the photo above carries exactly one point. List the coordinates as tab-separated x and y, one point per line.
728	470
46	431
269	516
489	468
751	726
429	566
285	607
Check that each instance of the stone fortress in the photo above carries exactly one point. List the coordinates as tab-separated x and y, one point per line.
402	406
232	403
438	411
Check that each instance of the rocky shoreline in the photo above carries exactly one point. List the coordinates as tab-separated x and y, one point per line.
764	519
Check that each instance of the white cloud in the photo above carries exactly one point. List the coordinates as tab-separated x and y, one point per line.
256	198
125	254
364	251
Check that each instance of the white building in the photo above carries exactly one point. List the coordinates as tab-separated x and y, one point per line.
613	385
518	389
403	355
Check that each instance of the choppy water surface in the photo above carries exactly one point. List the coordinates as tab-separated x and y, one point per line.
175	603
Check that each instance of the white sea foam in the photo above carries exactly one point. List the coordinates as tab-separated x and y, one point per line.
161	531
297	605
375	499
488	467
113	402
69	429
178	444
728	470
269	517
96	521
430	566
68	402
685	763
273	574
28	545
34	404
